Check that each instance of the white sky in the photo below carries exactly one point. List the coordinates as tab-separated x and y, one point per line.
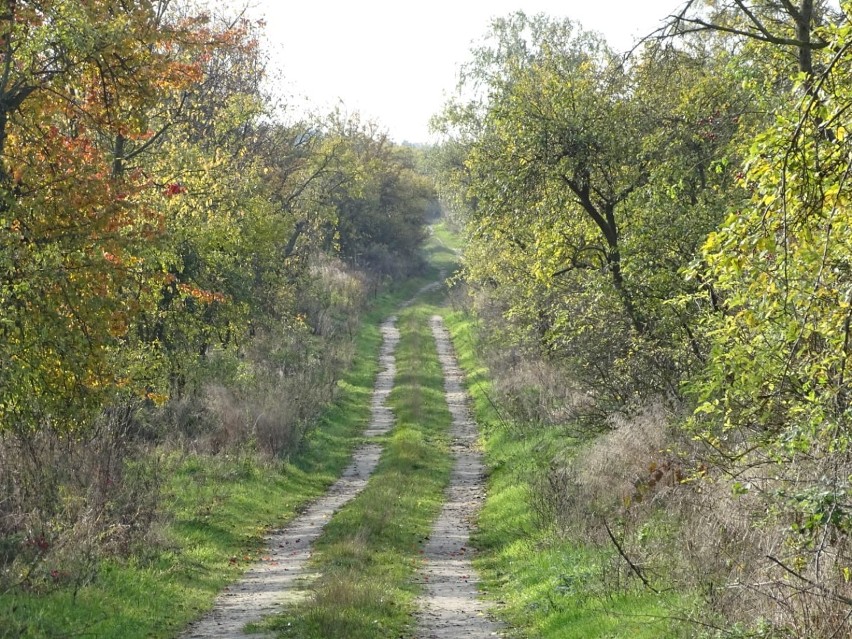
396	62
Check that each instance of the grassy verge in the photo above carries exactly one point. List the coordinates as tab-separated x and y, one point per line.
217	510
549	586
370	551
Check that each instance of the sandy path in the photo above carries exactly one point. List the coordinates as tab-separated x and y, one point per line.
274	581
450	608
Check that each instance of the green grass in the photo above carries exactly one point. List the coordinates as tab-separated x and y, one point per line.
218	509
548	586
441	249
446	237
371	549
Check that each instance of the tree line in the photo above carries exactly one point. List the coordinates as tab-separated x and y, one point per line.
155	209
180	256
672	225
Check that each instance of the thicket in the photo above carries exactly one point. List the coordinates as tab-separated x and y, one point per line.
659	243
180	266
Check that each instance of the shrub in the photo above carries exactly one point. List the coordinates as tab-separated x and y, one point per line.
68	502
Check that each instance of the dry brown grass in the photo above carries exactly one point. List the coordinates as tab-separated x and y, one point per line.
334	298
264	398
273	413
535	392
733	533
686	526
67	502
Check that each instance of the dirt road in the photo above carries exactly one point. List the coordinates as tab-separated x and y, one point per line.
270	583
450	607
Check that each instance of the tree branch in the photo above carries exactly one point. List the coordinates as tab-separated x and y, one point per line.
792	10
757	23
820	587
624	556
582	193
708	26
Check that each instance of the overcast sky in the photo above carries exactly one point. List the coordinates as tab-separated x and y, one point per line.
395	62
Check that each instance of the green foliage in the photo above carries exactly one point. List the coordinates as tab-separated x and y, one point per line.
675	224
170	253
380	198
589	184
151	212
776	386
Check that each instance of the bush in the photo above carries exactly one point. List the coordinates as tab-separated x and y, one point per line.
68	502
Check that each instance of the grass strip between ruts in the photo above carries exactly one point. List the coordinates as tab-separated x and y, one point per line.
371	549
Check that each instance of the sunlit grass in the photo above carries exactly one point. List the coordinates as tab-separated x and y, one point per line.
446	237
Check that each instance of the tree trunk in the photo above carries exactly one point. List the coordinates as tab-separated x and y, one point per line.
803	34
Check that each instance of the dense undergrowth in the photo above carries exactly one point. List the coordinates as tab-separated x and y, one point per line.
591	532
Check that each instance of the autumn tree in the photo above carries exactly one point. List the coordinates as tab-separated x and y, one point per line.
90	93
165	235
676	222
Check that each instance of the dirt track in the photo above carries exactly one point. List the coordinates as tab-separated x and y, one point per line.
270	583
450	607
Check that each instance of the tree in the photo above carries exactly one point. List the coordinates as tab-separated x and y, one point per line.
778	264
596	180
380	199
780	23
88	95
773	398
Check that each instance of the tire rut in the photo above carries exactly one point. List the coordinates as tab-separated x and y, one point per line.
450	606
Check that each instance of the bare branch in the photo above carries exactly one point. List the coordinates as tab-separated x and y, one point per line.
624	556
791	9
820	587
750	14
754	35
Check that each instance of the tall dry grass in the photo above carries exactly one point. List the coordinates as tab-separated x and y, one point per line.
731	537
68	502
